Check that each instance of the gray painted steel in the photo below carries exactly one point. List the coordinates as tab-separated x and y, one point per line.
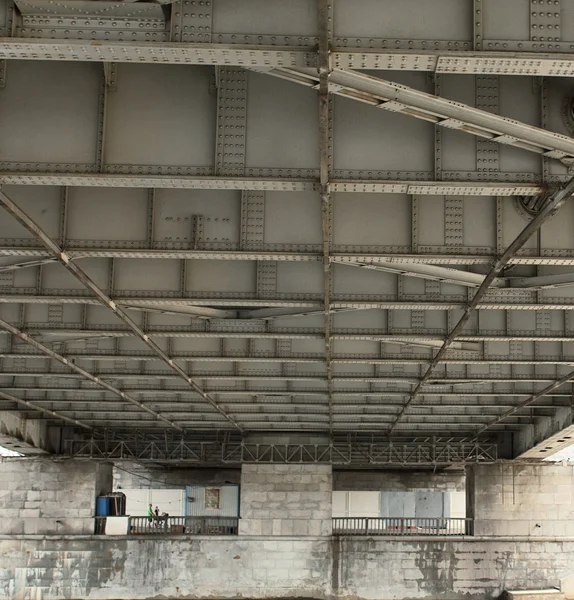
202	180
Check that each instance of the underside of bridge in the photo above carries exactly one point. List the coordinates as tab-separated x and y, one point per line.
287	231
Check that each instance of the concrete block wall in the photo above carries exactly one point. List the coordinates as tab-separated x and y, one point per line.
522	500
198	567
379	568
44	496
266	567
286	500
398	481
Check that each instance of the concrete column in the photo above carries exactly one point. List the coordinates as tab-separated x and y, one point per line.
286	500
521	500
48	496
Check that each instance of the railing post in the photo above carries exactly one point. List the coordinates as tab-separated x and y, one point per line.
366	526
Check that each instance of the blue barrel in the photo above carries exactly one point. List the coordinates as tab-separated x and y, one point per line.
102	506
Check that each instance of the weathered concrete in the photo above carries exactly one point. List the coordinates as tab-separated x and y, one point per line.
546	435
521	499
41	495
80	567
146	568
29	437
446	568
286	500
133	475
398	481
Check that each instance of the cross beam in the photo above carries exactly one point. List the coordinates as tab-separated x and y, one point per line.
408	101
83	373
244	55
552	204
15	211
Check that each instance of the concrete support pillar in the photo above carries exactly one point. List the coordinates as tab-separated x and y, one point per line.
286	500
47	496
521	500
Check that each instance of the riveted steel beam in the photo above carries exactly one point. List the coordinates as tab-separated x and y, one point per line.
492	302
82	373
156	52
26	265
317	376
141	180
21	402
553	203
67	332
554	258
408	101
558	383
102	298
325	21
243	55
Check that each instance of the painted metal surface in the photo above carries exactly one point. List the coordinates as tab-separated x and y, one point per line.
190	186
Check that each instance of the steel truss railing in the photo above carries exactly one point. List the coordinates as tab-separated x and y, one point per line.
402	526
336	453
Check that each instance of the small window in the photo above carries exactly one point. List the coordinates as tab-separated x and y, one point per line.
212	498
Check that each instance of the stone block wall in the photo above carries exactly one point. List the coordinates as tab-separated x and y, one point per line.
44	496
178	567
131	475
398	481
286	500
379	568
522	500
266	567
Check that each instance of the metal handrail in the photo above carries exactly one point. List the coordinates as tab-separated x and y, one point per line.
183	525
402	526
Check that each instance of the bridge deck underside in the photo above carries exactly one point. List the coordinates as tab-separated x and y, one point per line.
266	256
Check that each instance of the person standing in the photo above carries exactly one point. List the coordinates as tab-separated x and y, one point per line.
150	514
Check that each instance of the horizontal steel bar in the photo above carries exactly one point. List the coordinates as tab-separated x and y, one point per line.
428	272
473	62
340	359
555	257
497	303
441	61
94	405
165	395
159	181
215	376
463	188
26	265
143	253
253	331
155	52
543	281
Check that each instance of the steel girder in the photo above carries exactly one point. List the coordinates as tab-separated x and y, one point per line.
397	98
498	302
554	202
390	359
234	453
242	331
323	182
81	372
285	184
15	211
241	55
